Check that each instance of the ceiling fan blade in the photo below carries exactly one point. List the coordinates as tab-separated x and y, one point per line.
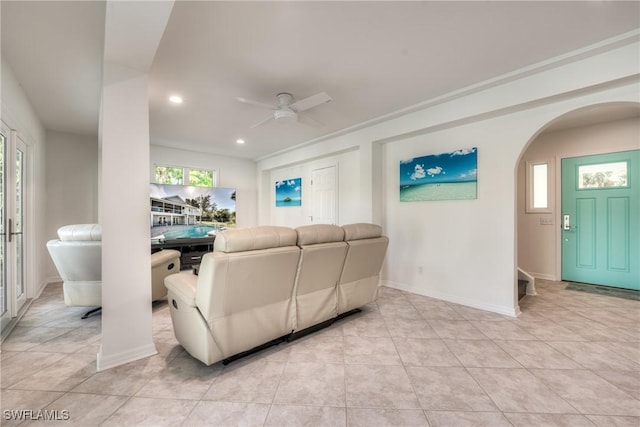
310	102
256	103
307	120
261	122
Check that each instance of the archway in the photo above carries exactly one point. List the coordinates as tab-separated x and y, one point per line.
595	129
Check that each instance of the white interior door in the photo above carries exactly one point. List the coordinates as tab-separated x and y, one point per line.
325	195
13	165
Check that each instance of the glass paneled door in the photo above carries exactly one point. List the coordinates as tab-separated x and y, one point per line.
12	238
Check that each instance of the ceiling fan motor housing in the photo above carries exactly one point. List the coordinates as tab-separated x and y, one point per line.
284	98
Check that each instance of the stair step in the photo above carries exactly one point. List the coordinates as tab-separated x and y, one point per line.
522	288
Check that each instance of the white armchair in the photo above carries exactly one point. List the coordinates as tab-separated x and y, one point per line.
77	254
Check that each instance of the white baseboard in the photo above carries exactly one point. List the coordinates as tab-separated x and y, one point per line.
543	276
51	279
44	283
109	361
507	311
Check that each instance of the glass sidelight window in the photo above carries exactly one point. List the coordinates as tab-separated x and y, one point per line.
538	189
540	186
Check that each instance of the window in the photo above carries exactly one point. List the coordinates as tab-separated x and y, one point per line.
169	175
540	193
538	189
200	178
177	175
602	175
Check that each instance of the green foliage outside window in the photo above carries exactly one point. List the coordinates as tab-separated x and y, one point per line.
169	175
184	176
200	178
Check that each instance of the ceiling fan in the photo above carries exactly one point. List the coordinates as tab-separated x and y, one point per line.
288	111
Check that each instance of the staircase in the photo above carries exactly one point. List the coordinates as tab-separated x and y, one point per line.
526	284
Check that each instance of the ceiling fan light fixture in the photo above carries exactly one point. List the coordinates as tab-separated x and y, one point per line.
285	115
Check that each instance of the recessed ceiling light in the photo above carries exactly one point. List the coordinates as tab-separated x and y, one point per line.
175	99
240	141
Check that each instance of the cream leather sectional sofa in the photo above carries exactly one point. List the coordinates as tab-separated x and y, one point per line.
268	283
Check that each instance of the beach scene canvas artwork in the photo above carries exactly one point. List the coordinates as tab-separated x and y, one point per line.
289	192
446	176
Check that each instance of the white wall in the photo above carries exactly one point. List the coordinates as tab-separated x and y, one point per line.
235	173
71	183
538	245
18	114
467	249
348	185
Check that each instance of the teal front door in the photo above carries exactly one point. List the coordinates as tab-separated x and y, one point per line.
601	219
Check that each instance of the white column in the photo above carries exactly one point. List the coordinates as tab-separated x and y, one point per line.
126	259
132	33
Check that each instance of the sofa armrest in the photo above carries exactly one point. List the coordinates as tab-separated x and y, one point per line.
183	286
166	255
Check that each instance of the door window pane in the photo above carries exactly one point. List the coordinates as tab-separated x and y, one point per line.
603	175
19	279
3	276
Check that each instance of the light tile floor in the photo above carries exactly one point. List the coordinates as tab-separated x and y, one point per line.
570	359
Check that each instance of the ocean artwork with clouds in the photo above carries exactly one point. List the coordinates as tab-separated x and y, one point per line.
289	192
446	176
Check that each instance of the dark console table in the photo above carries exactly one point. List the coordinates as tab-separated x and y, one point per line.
191	249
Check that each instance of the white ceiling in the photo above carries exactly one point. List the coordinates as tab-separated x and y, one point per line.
55	51
372	58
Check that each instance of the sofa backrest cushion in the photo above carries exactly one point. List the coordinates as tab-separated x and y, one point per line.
319	233
322	255
361	231
364	258
80	232
361	272
244	289
254	238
